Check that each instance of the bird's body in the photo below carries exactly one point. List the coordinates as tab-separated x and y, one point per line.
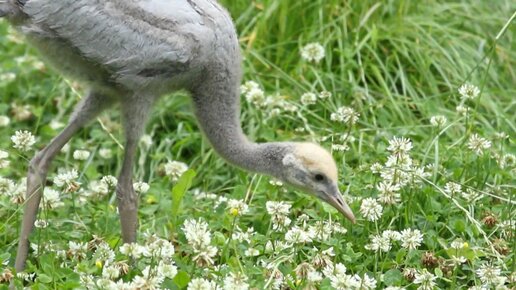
131	52
160	46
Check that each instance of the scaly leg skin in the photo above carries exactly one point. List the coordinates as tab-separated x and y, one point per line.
86	110
127	198
134	113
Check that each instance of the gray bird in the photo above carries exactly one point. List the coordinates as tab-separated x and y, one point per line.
131	52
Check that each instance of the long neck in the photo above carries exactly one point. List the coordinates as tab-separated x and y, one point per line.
217	107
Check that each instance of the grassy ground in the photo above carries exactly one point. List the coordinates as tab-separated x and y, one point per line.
396	63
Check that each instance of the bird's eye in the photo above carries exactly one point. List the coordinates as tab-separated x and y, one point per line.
319	177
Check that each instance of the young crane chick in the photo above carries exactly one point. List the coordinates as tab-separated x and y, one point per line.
131	52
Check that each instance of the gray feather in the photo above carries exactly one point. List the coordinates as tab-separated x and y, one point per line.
127	37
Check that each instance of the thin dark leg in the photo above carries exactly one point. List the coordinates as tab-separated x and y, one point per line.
86	110
134	112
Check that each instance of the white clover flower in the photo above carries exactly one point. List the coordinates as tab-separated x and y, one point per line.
66	148
105	284
274	112
239	235
81	154
501	136
366	283
109	180
489	274
288	107
104	254
4	121
452	188
388	192
278	207
438	121
379	243
276	246
339	279
345	115
105	153
302	270
457	244
54	124
141	187
314	277
146	141
275	182
371	209
199	238
7	77
7	186
66	180
478	144
249	86
235	281
313	52
251	252
325	95
77	250
3	162
132	250
469	91
201	284
39	65
458	260
425	279
158	248
41	224
280	222
23	140
148	281
237	207
308	99
471	195
97	189
337	228
392	235
339	147
462	110
297	236
329	252
376	168
411	239
321	230
256	97
110	272
174	169
507	161
399	146
51	199
21	112
167	270
87	281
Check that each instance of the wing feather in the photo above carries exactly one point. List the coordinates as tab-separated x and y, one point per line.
111	34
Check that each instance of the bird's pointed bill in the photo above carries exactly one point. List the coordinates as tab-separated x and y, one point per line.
335	199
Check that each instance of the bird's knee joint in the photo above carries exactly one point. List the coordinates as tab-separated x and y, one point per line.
38	164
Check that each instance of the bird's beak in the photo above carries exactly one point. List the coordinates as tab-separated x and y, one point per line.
334	198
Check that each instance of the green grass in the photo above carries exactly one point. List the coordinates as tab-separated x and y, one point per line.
397	63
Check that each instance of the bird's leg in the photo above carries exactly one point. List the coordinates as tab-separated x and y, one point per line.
127	198
134	113
86	110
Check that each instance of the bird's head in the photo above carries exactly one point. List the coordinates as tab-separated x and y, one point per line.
311	168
